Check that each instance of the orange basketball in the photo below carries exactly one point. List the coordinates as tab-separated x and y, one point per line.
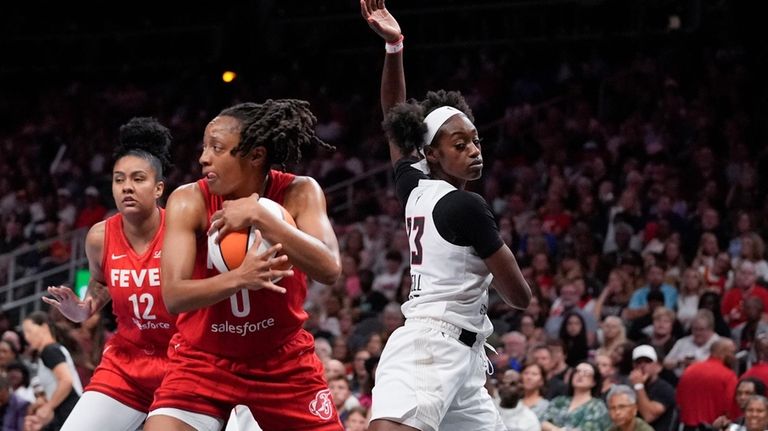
230	252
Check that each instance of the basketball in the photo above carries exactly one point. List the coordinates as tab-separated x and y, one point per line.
230	252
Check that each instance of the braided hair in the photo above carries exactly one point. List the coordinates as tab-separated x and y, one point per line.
404	123
146	138
281	126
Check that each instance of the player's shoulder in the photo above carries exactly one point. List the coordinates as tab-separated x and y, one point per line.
188	190
185	196
465	199
95	235
302	190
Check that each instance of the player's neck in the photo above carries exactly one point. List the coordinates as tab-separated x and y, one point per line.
139	232
257	184
454	181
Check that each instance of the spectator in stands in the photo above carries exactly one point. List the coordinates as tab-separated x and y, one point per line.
8	354
753	250
13	409
716	277
93	211
638	304
756	414
514	413
534	382
536	240
655	397
582	408
18	377
708	223
759	369
662	336
555	371
342	397
642	326
622	408
613	333
707	251
614	297
691	288
388	280
711	301
745	389
695	347
568	301
357	420
359	373
745	333
512	354
573	333
371	302
533	334
610	373
701	393
333	368
745	286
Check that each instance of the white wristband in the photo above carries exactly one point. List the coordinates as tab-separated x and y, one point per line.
394	47
639	386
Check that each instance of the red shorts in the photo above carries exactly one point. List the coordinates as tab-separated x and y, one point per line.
285	392
129	374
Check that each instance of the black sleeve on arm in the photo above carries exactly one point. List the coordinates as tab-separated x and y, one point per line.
406	178
465	219
51	355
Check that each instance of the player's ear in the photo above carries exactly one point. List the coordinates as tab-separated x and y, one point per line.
159	188
431	154
258	156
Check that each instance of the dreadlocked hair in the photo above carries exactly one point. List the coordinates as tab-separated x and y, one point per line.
404	125
281	126
436	99
146	138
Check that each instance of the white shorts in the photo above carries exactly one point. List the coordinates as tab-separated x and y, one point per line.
96	411
198	421
428	379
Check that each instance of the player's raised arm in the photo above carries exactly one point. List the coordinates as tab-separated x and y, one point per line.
393	75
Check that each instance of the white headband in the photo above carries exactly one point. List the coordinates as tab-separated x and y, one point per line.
435	120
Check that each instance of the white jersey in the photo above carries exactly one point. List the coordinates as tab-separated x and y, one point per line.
449	282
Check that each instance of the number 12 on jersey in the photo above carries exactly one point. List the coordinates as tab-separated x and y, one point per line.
415	229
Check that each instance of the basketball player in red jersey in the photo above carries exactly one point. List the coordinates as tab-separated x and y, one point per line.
240	337
124	259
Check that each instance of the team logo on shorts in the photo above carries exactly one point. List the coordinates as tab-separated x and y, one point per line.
322	406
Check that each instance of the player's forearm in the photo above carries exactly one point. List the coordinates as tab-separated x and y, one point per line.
514	291
392	82
508	280
188	295
99	294
63	388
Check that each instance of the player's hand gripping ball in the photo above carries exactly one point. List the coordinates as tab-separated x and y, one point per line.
230	252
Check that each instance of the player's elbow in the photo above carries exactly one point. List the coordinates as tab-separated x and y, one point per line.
328	274
173	303
522	299
517	295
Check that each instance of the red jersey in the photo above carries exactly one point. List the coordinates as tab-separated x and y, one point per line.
734	299
249	323
706	390
134	283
